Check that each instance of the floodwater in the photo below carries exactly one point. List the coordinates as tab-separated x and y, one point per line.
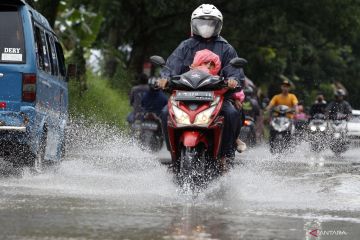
107	188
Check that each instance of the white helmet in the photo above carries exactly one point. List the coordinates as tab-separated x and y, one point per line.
206	21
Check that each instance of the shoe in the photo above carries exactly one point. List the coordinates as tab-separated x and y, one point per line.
241	146
225	164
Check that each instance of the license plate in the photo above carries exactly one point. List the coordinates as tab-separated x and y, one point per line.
149	126
194	96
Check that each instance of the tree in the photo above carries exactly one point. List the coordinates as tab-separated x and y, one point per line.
313	43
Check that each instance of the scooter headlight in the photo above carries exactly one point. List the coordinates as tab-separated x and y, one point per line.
280	124
181	117
313	128
203	118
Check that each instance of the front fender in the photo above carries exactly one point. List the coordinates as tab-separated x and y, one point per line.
192	138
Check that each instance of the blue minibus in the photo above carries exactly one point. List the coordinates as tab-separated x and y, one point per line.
33	88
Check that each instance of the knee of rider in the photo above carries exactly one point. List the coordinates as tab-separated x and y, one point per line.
164	112
231	114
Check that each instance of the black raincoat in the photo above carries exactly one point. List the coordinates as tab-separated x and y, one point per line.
182	57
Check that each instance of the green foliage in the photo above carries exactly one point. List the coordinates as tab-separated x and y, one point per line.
100	102
313	43
79	25
310	42
123	79
78	28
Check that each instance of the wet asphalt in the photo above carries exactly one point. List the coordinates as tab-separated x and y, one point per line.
107	188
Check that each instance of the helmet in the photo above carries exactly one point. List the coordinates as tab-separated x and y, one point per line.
206	21
340	93
152	82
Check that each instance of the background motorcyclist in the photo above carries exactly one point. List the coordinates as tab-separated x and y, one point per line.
339	105
206	24
136	95
250	105
284	98
319	106
301	120
154	100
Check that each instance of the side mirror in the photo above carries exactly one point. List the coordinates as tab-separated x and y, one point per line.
71	71
238	62
157	60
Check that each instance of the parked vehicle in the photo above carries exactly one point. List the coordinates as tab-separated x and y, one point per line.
338	134
194	124
317	132
248	132
151	137
33	88
282	129
354	128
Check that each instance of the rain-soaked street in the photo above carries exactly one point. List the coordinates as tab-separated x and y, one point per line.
108	189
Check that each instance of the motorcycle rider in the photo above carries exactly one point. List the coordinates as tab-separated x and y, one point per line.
319	106
206	24
284	98
136	95
154	100
339	105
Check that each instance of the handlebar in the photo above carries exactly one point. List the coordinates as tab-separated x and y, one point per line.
173	85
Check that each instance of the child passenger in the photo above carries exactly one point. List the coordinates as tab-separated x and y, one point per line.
207	61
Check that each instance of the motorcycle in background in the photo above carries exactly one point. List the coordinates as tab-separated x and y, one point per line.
338	129
317	132
150	135
135	126
282	129
248	132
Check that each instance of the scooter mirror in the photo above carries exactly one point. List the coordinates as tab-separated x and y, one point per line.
157	60
238	62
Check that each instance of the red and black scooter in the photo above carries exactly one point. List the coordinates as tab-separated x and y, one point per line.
195	124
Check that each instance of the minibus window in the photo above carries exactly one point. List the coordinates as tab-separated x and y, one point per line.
12	47
39	49
52	53
42	50
46	52
60	54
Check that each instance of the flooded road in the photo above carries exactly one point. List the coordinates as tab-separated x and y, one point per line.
108	189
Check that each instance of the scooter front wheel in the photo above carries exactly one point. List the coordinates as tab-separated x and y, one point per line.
192	168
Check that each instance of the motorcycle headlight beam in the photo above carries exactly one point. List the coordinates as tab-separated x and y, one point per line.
203	117
181	117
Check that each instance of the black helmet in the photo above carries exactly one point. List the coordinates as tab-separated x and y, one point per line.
152	82
340	92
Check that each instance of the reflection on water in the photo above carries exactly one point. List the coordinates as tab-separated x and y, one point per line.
108	189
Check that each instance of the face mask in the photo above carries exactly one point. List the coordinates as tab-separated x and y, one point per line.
206	31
